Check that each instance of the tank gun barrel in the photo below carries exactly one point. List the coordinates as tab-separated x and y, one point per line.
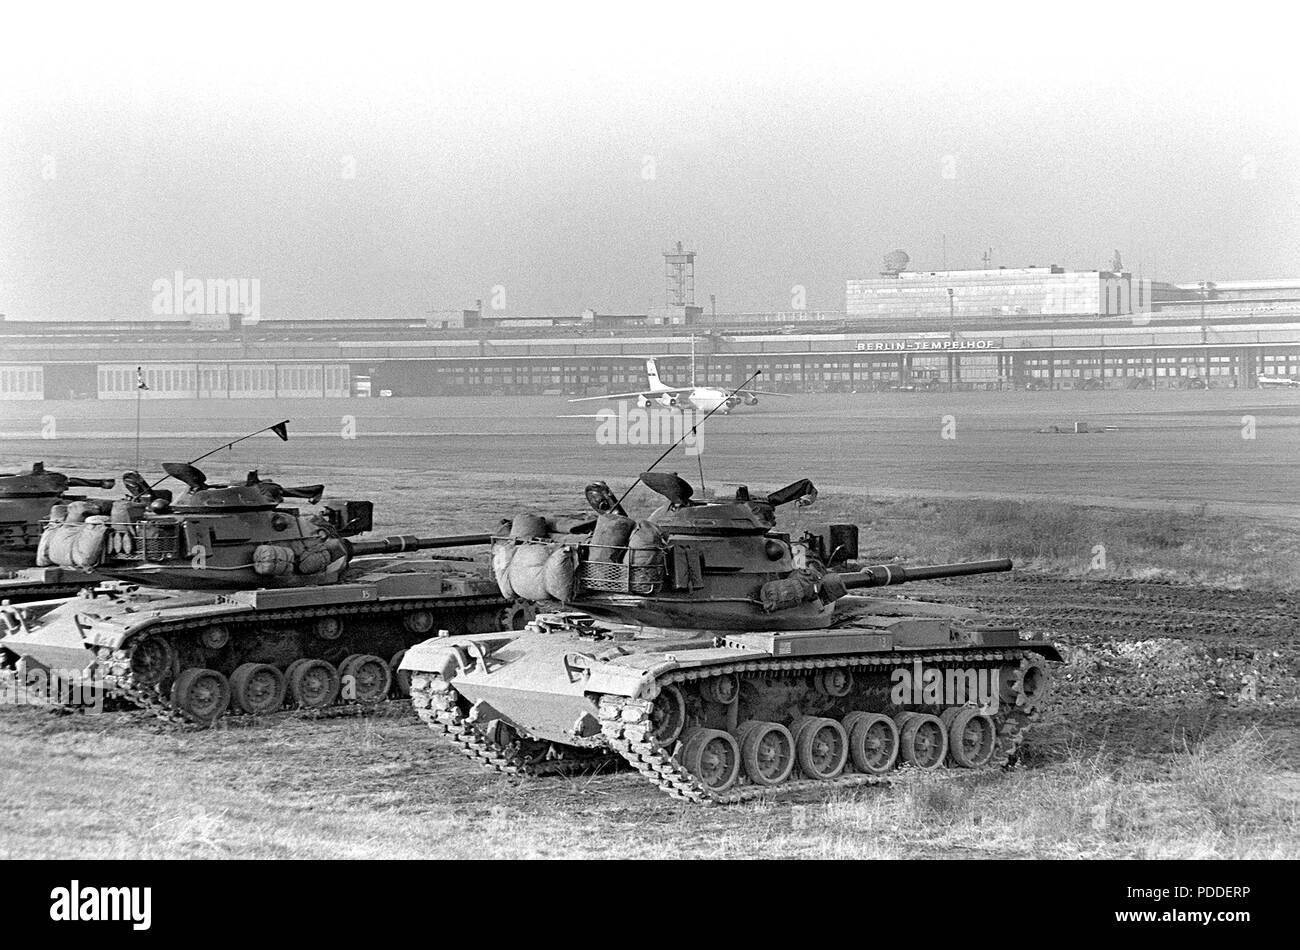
888	575
74	482
396	544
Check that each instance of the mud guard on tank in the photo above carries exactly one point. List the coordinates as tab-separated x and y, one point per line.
446	656
628	675
1046	650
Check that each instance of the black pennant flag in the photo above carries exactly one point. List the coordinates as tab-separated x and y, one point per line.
282	430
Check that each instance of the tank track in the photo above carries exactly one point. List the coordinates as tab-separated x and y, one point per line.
625	724
440	710
626	727
123	684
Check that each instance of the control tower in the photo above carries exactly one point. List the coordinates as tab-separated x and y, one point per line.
679	272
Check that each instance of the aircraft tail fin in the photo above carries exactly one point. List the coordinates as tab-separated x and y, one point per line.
652	373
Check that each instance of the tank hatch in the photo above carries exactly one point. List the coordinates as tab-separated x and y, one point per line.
742	514
253	495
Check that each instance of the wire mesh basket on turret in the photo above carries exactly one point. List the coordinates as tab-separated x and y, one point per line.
609	569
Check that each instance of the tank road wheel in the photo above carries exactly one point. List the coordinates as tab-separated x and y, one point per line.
766	752
202	695
667	716
972	737
257	688
152	660
834	683
515	617
720	689
418	621
328	628
924	741
1025	686
401	678
821	747
713	757
214	637
365	679
873	742
312	683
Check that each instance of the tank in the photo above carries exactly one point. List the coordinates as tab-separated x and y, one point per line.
723	659
25	502
228	600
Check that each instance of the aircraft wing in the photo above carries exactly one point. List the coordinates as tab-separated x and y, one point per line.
649	394
760	392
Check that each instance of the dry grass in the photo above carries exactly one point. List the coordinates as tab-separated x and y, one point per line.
1060	538
121	786
376	787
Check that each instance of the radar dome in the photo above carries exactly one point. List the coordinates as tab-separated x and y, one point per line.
896	262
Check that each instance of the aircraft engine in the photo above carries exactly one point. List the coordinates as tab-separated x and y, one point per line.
669	400
751	399
643	402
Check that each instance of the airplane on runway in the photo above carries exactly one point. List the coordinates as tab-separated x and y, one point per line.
699	398
1282	381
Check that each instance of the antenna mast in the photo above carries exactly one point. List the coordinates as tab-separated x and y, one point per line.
667	451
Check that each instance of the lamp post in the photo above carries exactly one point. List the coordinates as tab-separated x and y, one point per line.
952	336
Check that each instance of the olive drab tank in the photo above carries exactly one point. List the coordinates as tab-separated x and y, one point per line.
26	499
722	659
228	598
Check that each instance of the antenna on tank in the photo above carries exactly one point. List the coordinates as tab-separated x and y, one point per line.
280	428
693	430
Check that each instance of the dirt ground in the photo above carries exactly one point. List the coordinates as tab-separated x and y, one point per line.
1165	737
1174	727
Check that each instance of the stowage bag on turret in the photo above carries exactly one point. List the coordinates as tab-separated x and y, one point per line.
64	535
645	544
561	574
503	551
272	560
610	537
43	556
88	546
313	558
789	591
528	571
528	526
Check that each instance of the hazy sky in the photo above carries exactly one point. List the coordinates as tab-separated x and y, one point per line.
557	153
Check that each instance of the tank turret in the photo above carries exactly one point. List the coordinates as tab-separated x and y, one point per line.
210	537
25	501
721	565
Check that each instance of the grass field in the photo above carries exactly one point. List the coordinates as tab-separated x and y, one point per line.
379	787
1174	732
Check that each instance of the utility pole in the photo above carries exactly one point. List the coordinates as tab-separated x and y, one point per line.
952	336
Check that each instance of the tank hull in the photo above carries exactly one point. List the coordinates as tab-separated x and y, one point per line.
139	644
560	691
43	583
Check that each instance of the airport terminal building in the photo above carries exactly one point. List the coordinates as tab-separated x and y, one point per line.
1036	328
